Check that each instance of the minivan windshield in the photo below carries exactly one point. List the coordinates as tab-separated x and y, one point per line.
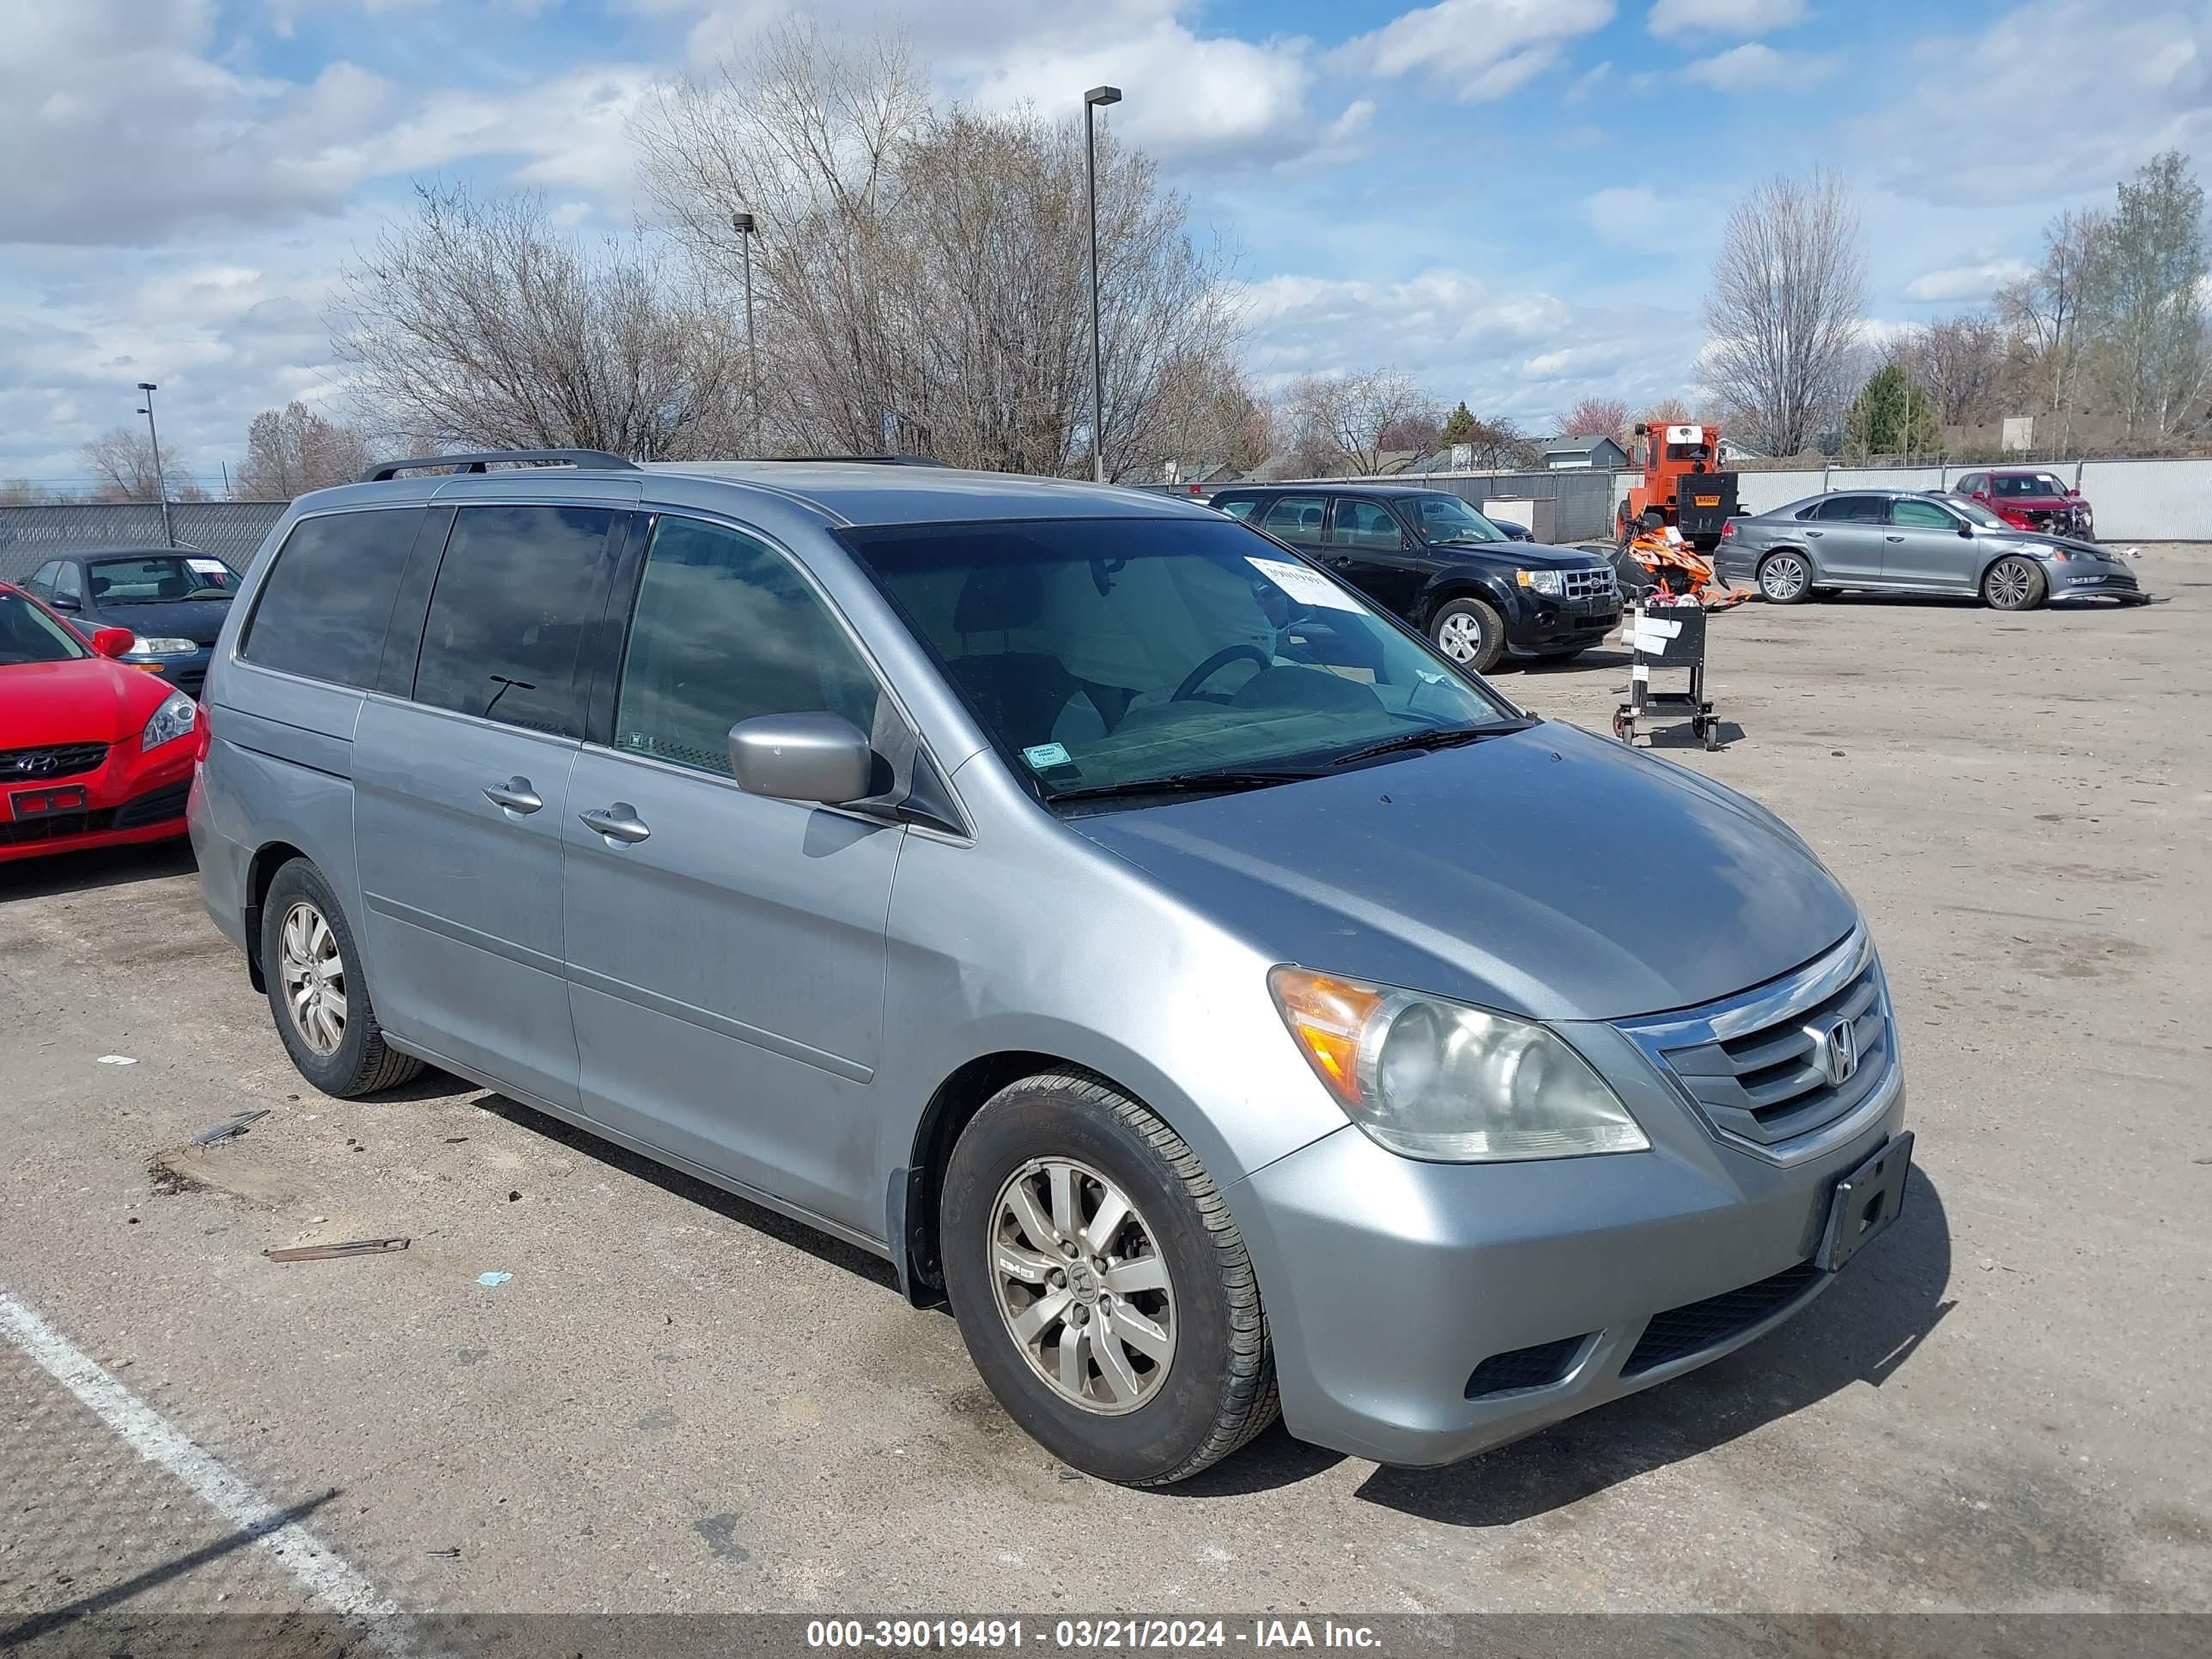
153	579
30	634
1446	518
1120	655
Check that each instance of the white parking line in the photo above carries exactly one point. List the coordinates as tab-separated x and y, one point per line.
337	1586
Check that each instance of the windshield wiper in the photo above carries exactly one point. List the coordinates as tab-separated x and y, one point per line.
1433	739
1184	783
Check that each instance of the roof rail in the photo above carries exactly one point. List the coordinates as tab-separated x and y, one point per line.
864	460
385	471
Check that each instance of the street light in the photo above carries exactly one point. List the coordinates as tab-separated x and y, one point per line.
743	224
1092	100
161	479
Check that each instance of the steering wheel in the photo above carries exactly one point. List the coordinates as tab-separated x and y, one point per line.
1214	663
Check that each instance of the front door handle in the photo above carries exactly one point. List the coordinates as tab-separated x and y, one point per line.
1815	533
1892	538
516	794
617	822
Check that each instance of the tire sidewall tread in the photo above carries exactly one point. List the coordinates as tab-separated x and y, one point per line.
364	1063
1220	1391
1486	618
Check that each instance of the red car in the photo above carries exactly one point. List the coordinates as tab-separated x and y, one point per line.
2028	498
92	753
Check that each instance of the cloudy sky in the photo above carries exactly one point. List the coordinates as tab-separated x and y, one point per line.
1515	199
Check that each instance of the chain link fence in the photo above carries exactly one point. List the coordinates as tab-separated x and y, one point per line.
230	531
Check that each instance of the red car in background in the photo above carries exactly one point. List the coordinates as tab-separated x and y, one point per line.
2028	498
92	753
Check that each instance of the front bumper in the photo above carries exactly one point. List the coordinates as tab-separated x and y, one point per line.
131	797
1402	1295
1544	625
2067	583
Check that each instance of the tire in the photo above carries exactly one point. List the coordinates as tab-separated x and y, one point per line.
1470	632
2013	583
1785	577
1146	1422
340	1049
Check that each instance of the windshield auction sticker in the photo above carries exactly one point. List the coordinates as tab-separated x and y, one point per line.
1306	586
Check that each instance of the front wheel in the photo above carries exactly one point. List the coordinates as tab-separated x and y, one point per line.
1470	633
1785	578
2011	584
1102	1291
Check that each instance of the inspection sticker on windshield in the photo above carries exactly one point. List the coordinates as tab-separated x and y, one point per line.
209	567
1044	756
1306	586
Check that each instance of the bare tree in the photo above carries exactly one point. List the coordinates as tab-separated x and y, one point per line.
478	322
23	492
2143	302
1208	415
1594	417
1959	362
2043	312
1783	313
121	462
921	276
292	450
1346	417
1672	411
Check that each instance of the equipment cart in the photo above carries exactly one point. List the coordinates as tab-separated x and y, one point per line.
1665	637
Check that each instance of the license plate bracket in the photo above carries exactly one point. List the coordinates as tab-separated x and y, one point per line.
1865	1204
27	805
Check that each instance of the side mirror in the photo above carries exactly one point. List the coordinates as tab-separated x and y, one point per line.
111	641
62	602
822	758
1966	530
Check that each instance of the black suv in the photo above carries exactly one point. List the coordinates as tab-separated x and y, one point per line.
1428	556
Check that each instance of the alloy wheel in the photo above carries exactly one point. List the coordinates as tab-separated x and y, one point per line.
2011	584
1460	638
315	978
1782	577
1082	1286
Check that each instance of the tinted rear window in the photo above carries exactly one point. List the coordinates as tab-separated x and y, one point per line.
323	608
516	589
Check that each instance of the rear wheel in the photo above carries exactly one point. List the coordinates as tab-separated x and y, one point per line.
1470	633
1785	578
1103	1292
316	992
2011	584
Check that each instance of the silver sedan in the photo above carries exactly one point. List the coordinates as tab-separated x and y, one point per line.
1900	542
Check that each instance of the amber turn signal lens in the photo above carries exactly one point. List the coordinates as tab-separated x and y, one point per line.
1328	1016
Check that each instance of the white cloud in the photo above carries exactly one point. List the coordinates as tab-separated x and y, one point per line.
1587	82
1671	17
1969	282
1520	352
2116	82
1477	49
1752	68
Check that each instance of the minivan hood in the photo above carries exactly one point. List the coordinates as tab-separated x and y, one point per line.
1549	873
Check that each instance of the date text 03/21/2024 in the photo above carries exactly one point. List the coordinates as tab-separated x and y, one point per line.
1106	1634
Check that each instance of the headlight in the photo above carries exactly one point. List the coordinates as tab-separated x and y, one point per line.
142	647
1544	581
1440	1080
172	720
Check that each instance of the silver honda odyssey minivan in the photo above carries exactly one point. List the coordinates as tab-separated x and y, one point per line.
1074	896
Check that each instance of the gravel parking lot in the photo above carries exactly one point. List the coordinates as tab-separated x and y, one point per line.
679	1403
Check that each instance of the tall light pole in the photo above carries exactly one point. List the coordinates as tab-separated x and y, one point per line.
160	478
743	224
1092	100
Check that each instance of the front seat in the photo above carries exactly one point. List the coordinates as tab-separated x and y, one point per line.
1020	693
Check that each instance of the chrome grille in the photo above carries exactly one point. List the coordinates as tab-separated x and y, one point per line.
37	765
1757	1065
1590	584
